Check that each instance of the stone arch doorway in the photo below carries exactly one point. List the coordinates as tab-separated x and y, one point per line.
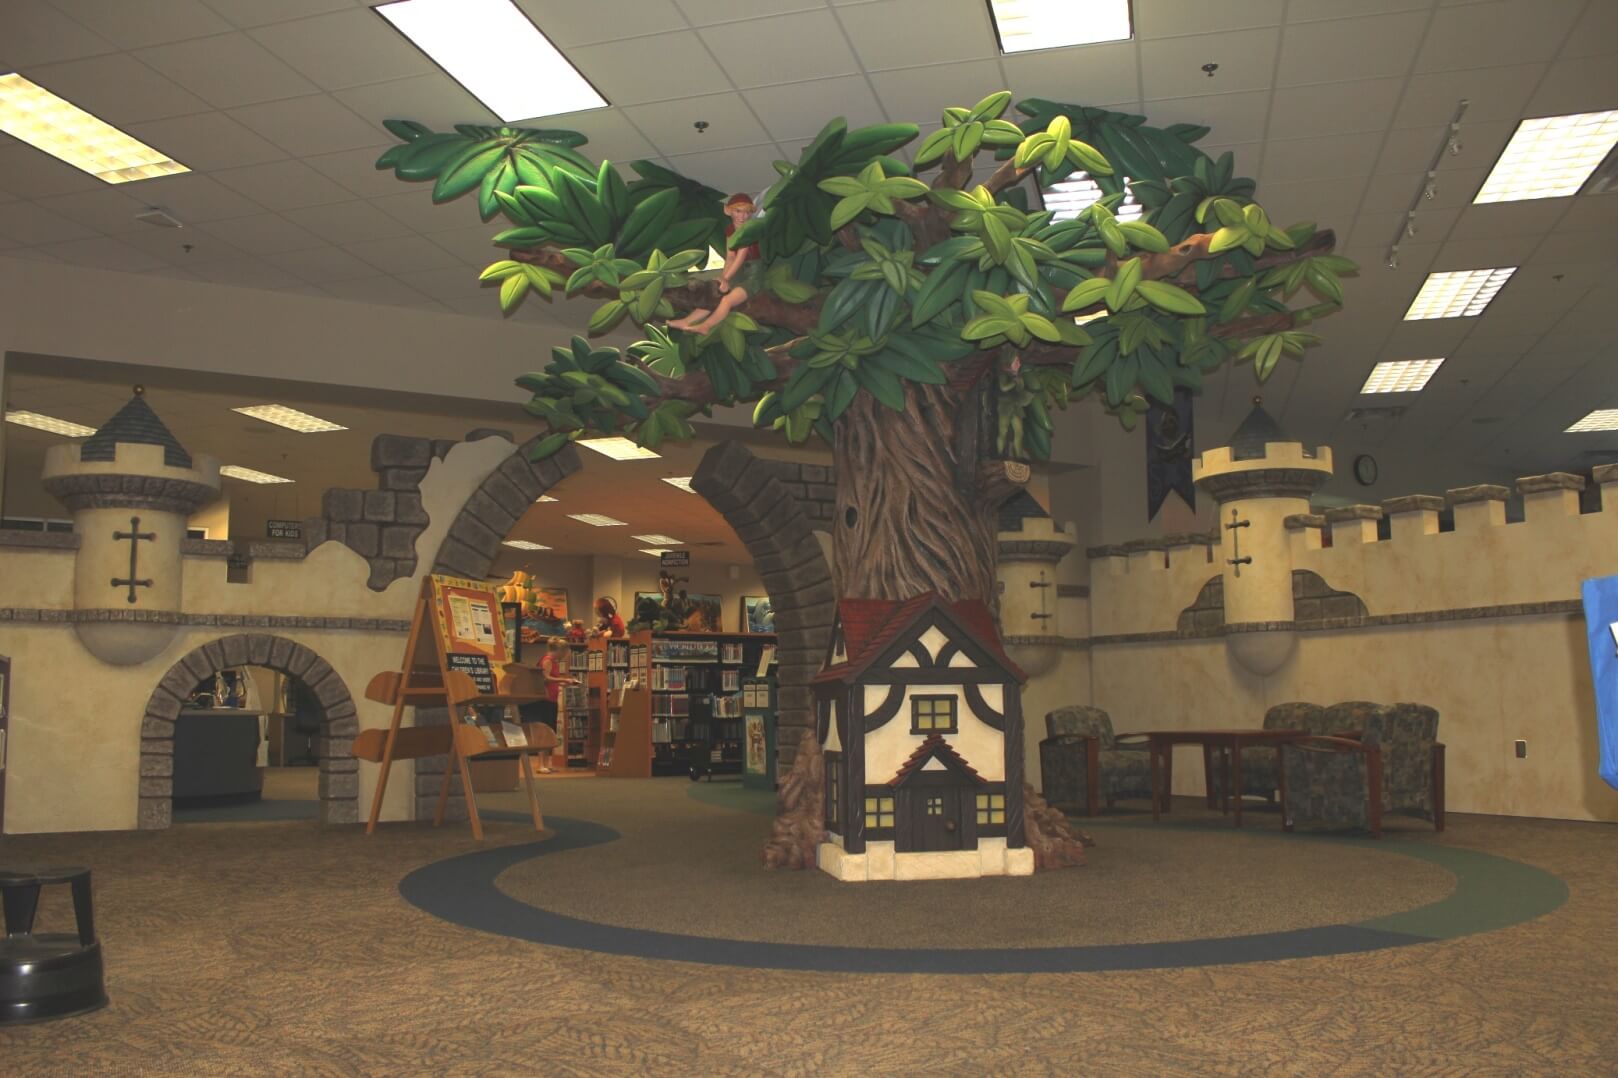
774	506
339	771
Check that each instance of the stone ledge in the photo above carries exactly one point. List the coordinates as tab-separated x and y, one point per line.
39	540
272	551
1298	521
1344	513
1535	484
1604	473
1483	492
1413	503
207	548
171	617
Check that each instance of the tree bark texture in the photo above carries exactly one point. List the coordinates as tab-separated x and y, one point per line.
905	522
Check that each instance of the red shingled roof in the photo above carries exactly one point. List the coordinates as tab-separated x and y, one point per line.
934	746
870	625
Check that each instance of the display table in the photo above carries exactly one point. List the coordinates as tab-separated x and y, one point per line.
1160	745
216	757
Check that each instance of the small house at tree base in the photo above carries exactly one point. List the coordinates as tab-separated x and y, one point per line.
919	711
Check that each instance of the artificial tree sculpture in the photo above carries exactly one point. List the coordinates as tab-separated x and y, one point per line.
926	329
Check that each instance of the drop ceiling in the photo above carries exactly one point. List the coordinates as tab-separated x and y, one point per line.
1335	107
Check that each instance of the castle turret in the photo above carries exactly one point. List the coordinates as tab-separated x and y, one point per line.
1031	545
131	487
1259	480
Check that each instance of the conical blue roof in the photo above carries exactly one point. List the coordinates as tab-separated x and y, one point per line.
137	424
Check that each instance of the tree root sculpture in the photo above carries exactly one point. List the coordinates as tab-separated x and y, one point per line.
800	810
1054	841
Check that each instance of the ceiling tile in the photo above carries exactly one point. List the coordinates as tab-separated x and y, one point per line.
746	168
1173	66
195	198
245	273
110	210
911	33
248	13
228	70
135	25
1485	253
1372	47
389	290
800	110
453	283
1320	158
706	12
29	173
356	170
1531	218
1174	18
307	125
434	99
169	245
1330	203
1411	148
319	265
1591	213
1566	247
261	234
1493	93
206	141
1506	32
612	137
1312	10
32	32
411	205
569	23
403	254
345	48
471	244
103	252
117	88
285	185
1082	75
1233	117
1395	192
1596	33
650	68
749	51
1335	108
921	94
346	222
1588	84
27	223
668	123
1432	226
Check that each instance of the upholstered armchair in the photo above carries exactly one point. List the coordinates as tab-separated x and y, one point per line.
1261	775
1395	766
1082	762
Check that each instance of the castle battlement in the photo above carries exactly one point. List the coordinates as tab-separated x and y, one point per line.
1225	459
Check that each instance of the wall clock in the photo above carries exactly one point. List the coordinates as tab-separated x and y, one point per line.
1365	472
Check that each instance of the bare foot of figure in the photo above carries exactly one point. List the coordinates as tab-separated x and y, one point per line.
689	322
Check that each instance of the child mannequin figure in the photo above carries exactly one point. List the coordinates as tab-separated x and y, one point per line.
553	667
741	277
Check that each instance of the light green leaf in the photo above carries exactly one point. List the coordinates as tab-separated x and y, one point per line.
1170	298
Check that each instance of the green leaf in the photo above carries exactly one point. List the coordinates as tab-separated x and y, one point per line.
1095	361
1123	286
500	270
1170	298
990	107
1085	294
849	208
934	146
1226	238
1144	236
512	291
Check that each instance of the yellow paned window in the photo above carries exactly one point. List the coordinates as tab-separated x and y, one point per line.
932	714
991	808
879	812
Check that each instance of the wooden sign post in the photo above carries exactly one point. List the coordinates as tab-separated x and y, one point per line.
456	657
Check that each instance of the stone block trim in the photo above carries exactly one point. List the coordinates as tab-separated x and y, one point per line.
1413	503
1483	492
1299	521
475	534
1344	513
1535	484
39	540
1313	602
1604	473
339	772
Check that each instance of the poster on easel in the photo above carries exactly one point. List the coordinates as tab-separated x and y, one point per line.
468	619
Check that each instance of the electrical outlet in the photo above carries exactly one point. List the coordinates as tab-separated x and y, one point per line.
1522	750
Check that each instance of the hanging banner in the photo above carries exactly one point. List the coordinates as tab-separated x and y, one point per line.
1168	452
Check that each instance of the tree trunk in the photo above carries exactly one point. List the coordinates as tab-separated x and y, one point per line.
913	514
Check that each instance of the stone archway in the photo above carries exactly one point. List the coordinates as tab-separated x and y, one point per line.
774	506
339	771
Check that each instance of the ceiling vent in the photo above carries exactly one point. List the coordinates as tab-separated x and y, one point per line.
157	215
1386	413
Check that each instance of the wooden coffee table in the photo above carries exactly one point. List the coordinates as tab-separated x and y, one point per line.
1160	745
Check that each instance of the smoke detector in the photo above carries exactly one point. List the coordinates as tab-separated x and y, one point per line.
162	218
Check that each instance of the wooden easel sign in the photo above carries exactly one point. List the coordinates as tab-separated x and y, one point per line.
456	657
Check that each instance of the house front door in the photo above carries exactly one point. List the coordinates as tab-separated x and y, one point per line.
938	818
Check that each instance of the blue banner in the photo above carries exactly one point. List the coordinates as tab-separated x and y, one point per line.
1601	618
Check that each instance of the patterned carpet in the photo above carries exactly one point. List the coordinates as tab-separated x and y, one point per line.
280	948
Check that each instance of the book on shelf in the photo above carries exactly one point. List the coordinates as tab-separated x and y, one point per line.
514	736
766	659
685	651
597	661
730	680
669	679
730	652
617	655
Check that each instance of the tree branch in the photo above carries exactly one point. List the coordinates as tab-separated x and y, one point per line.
1061	355
1005	176
695	387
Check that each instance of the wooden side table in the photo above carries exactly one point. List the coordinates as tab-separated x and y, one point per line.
1160	745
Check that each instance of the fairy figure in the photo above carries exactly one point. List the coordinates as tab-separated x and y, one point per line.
741	277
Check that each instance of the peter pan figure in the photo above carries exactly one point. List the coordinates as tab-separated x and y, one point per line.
741	277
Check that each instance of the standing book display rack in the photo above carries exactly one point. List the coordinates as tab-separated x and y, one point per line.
456	656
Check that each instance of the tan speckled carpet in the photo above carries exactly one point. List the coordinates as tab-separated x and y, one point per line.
278	948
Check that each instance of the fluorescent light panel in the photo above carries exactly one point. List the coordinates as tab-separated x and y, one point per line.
1601	419
543	499
618	448
1026	25
654	553
1401	375
290	418
38	117
49	423
456	35
1460	294
251	475
599	520
659	540
1068	198
523	544
1550	157
681	481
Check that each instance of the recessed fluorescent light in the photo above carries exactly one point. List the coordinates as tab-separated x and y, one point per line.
618	448
49	423
236	471
1550	157
543	498
290	418
654	553
1461	294
68	133
659	540
681	481
456	35
598	520
1400	376
1024	25
523	544
1068	198
1601	419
